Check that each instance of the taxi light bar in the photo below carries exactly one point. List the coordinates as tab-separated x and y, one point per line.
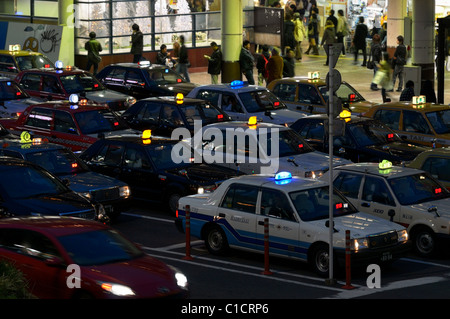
283	175
59	64
252	120
236	84
314	75
144	63
179	98
345	115
421	99
15	47
385	164
146	134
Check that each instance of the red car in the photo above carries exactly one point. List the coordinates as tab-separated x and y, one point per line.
65	257
74	126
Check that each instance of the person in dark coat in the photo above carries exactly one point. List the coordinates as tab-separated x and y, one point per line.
288	33
376	54
333	18
408	93
275	66
359	40
289	63
93	47
247	62
261	63
163	57
214	63
329	36
137	43
183	60
398	61
313	35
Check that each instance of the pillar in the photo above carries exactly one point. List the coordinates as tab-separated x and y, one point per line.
396	23
67	19
232	21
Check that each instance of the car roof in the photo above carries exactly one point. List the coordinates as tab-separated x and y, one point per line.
173	100
288	184
20	52
244	125
353	118
134	139
55	225
137	66
228	87
54	71
30	147
425	107
65	105
301	79
374	169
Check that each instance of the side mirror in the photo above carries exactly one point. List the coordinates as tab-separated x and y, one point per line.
391	214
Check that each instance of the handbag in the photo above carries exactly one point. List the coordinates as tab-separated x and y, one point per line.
370	65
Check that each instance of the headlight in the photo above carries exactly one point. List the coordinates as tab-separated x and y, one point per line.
314	174
206	189
360	243
402	235
180	278
124	191
116	289
130	101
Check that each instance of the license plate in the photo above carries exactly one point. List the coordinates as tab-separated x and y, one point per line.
386	256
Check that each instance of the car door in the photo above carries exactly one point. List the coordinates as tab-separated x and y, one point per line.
415	128
376	198
146	117
31	252
107	160
114	79
237	215
232	106
31	83
309	99
136	84
287	92
283	227
51	88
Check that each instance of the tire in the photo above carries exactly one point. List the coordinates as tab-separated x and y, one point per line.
319	260
424	242
172	202
216	241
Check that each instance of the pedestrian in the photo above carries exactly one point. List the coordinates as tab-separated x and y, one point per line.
183	60
163	57
312	35
214	63
261	65
288	32
328	37
289	63
398	62
359	40
93	47
383	77
332	17
408	92
342	29
137	43
247	62
299	35
375	57
428	90
275	66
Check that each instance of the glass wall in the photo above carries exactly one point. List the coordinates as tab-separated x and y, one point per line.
30	8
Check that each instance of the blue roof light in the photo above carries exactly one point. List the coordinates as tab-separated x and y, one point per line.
236	84
283	178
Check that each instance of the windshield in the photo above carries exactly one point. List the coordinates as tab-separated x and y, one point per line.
440	121
4	131
418	188
289	143
58	161
99	247
20	182
33	62
371	133
260	101
164	76
343	93
9	90
312	204
98	121
78	83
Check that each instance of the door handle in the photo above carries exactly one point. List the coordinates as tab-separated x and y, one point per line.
222	215
365	204
261	222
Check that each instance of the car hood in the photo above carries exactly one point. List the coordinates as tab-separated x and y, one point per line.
15	106
66	203
184	87
205	174
398	150
359	108
106	96
442	207
301	163
146	276
281	116
125	132
88	181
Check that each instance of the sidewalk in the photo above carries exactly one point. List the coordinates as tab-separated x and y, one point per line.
358	76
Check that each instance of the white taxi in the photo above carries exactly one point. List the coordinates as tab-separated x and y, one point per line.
297	212
407	196
260	148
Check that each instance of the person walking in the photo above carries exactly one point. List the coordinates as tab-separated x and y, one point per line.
183	60
288	32
398	62
299	35
359	40
312	35
289	63
261	65
93	47
328	37
214	63
332	17
137	43
383	77
375	57
275	66
246	62
342	29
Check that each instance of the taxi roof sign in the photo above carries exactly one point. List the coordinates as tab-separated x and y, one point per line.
253	120
421	99
385	164
314	75
179	98
146	134
15	47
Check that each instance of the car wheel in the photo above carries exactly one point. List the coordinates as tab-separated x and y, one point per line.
319	260
424	242
216	241
172	202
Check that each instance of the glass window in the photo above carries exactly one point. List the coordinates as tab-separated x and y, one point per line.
210	96
149	113
389	117
64	123
440	121
31	82
414	122
376	190
135	158
260	101
50	84
241	197
9	90
275	204
348	184
313	130
438	167
135	77
109	155
285	91
230	104
308	94
41	118
171	116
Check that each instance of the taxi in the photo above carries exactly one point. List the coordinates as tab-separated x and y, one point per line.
407	196
142	80
417	121
241	101
75	124
257	147
309	94
436	162
60	82
164	114
296	212
360	139
154	168
15	60
13	99
60	161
